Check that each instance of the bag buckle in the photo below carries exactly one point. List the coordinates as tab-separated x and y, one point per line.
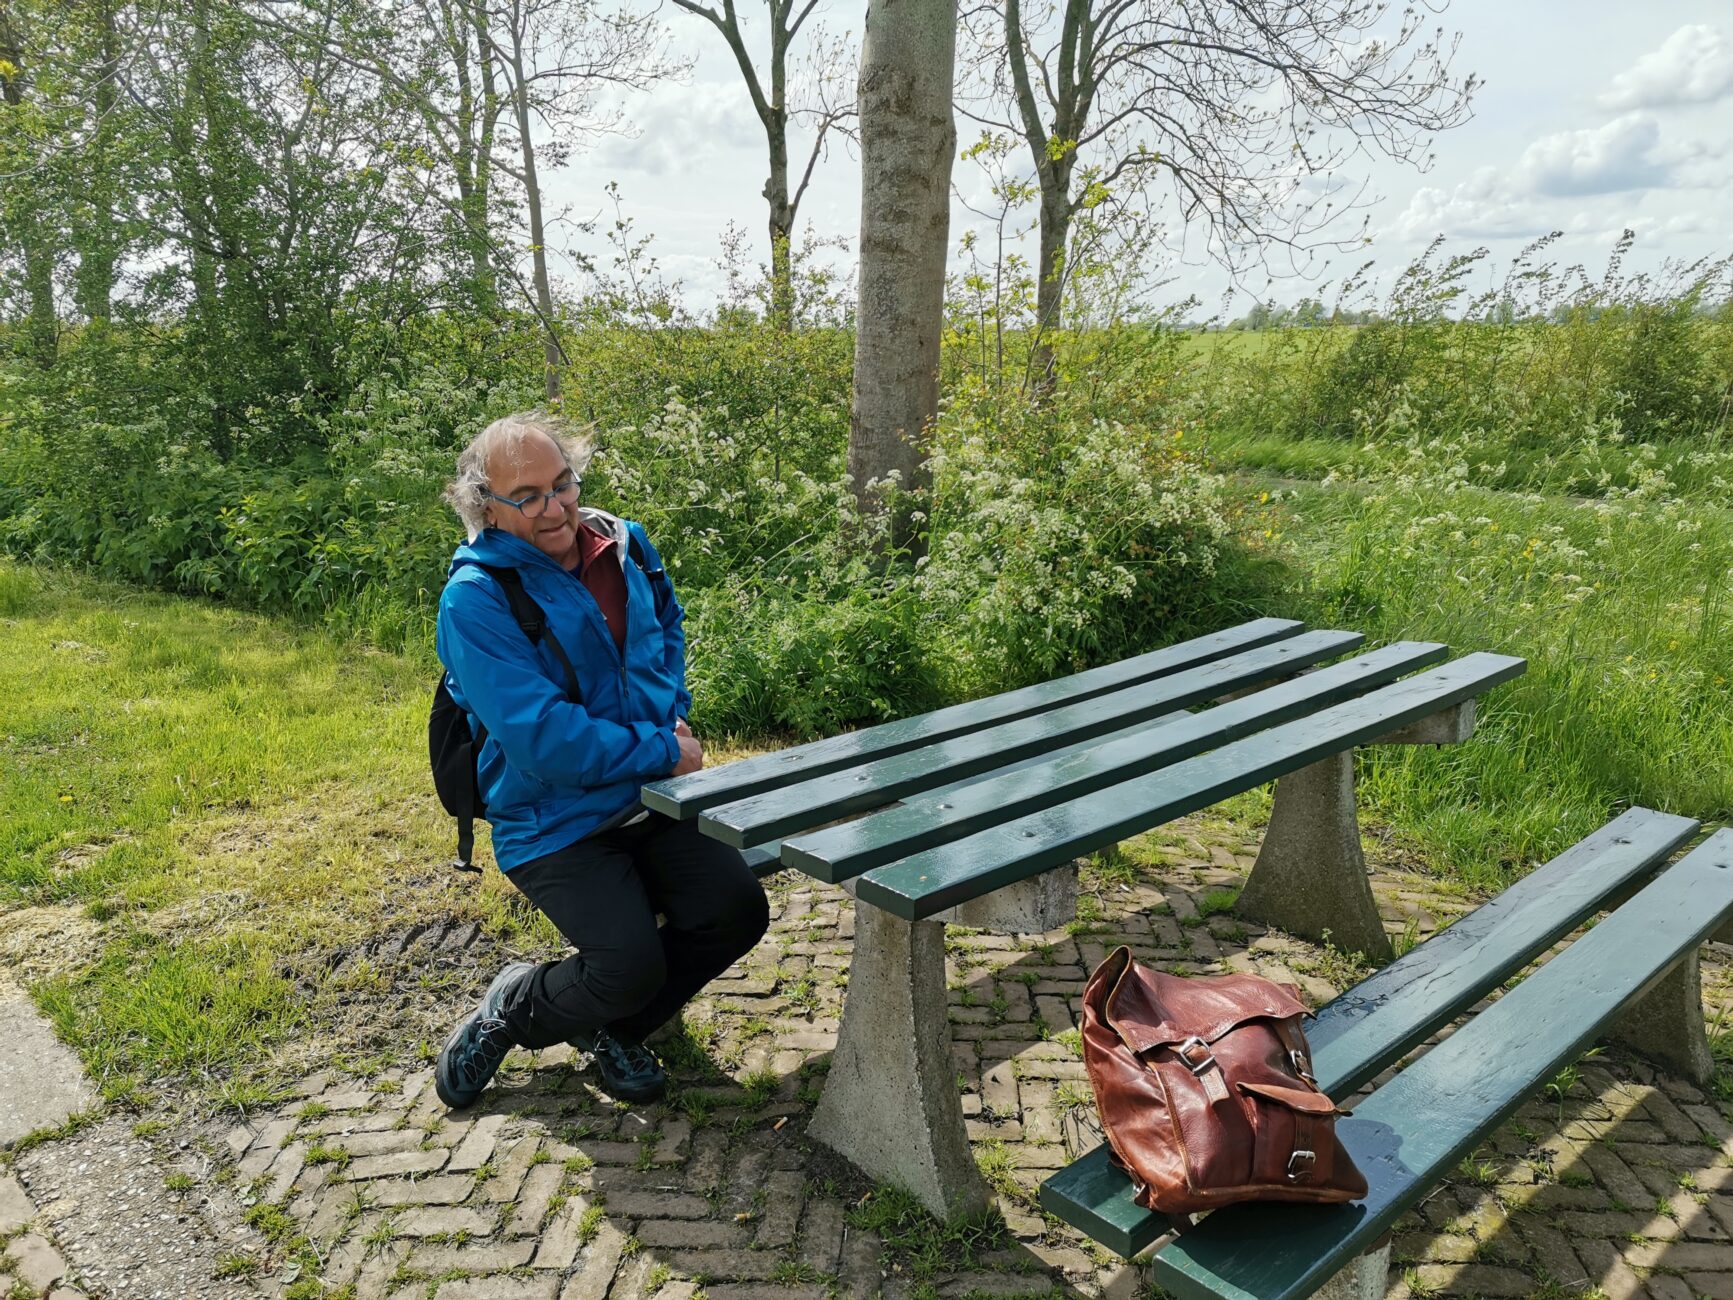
1302	1066
1194	1043
1307	1159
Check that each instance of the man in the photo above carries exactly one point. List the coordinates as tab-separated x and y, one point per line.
560	776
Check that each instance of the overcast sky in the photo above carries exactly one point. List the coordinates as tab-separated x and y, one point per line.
1594	116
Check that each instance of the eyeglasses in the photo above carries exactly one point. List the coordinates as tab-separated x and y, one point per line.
535	505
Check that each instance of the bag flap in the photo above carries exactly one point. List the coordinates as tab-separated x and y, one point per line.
1301	1099
1148	1008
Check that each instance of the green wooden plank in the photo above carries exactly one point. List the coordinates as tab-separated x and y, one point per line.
685	797
1372	1025
1376	1022
1413	1131
934	879
801	805
840	853
765	860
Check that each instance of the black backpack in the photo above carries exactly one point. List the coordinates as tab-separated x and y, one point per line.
454	751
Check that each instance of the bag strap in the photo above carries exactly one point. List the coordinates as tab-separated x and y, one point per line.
534	623
658	577
466	819
529	616
1303	1163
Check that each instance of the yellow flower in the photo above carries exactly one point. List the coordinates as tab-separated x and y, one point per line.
65	798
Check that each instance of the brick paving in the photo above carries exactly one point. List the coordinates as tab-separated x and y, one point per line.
1619	1184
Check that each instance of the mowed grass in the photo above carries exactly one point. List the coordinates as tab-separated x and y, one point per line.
126	713
199	809
205	800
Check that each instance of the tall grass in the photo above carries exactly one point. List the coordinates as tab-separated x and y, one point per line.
1543	381
1620	604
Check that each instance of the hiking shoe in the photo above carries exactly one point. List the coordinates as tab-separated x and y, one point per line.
630	1071
477	1046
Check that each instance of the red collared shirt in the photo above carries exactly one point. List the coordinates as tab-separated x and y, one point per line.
599	570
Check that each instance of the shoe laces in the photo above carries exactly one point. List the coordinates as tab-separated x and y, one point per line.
481	1055
627	1058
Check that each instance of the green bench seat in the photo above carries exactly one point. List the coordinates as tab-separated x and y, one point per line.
950	812
765	859
1414	1129
799	804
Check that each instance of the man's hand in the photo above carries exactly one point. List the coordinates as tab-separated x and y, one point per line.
691	752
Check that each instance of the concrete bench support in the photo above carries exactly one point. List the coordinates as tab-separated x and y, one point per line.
1367	1278
890	1103
1310	878
1667	1024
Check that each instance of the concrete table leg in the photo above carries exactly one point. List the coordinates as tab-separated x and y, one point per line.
1365	1279
890	1102
1310	878
1667	1024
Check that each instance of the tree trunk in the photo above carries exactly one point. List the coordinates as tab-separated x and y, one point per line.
43	332
100	249
42	327
908	139
477	114
1050	279
781	224
553	355
1053	147
776	188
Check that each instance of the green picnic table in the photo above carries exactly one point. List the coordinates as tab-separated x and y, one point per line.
976	814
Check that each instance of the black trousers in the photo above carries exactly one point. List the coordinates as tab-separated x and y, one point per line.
603	893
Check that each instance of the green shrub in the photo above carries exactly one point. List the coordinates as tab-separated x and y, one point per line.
1109	552
804	663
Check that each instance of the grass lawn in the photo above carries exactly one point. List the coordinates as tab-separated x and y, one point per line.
217	832
198	808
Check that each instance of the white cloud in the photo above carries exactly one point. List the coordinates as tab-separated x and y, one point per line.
1485	206
1625	154
1693	66
682	125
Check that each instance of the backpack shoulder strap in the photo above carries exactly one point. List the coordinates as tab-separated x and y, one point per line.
658	576
524	609
532	620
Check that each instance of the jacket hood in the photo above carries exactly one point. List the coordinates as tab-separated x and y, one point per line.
497	547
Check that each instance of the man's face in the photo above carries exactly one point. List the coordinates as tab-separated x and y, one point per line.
536	467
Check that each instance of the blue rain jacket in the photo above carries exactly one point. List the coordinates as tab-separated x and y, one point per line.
552	771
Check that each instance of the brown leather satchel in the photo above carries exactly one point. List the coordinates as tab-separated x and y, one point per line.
1205	1090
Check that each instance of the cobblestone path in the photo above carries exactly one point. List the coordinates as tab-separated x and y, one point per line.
1614	1182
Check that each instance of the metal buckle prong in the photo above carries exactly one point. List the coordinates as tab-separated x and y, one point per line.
1196	1067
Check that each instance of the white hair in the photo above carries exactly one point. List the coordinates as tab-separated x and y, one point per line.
467	493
